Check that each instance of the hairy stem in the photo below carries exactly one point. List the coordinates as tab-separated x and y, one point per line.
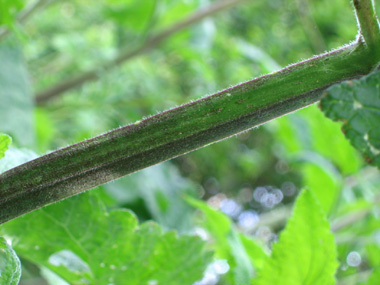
368	23
85	165
123	56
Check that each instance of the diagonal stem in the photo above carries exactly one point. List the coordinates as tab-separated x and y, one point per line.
82	166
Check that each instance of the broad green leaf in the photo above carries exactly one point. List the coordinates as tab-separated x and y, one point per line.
16	108
227	242
216	222
357	104
10	266
83	243
327	139
5	141
305	252
323	183
161	187
310	130
256	252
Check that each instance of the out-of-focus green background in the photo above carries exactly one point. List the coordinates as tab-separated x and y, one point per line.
247	176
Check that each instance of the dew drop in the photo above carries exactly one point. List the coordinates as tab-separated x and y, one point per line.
260	194
221	266
288	188
248	219
230	207
353	259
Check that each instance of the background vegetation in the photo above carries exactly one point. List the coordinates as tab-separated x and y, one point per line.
252	178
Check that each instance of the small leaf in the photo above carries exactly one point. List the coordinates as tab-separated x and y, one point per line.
306	252
215	222
10	266
85	244
256	252
357	104
14	157
228	243
131	14
5	141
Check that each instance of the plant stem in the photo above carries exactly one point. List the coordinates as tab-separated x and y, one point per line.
368	23
77	81
82	166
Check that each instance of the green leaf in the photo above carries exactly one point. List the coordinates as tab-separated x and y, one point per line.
357	104
309	129
215	222
9	10
82	242
373	253
10	266
256	252
323	182
5	141
306	252
172	11
374	278
228	244
16	108
131	14
327	139
161	187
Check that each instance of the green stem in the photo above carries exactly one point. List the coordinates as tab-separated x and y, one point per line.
85	165
368	23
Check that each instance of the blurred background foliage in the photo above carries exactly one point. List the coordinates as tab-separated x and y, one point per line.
253	177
